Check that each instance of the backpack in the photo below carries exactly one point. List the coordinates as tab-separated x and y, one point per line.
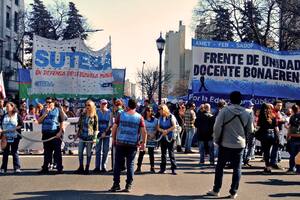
295	124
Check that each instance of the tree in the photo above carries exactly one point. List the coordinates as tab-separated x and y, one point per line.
250	23
223	30
40	21
268	10
180	88
74	23
150	81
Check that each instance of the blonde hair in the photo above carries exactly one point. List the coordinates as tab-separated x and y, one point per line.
93	111
165	110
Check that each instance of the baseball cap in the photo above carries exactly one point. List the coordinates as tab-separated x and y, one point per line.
248	104
103	101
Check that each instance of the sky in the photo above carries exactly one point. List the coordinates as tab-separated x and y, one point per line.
134	26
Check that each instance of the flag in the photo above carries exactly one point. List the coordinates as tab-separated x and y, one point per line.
2	88
24	83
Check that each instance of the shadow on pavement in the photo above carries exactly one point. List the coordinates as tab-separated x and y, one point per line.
84	194
281	195
276	182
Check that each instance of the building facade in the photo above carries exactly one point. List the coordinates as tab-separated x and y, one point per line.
130	89
11	32
177	62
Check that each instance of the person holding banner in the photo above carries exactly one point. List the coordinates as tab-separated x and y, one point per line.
102	147
87	132
52	129
11	125
125	138
151	127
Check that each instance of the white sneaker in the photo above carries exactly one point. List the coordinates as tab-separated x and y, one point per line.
213	193
2	171
18	171
232	196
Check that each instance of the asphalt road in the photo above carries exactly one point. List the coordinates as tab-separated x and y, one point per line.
192	182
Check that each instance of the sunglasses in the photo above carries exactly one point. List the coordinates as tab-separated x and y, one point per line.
48	102
88	105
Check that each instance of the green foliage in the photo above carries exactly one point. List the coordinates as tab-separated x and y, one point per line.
74	23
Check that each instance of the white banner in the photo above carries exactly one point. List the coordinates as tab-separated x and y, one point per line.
32	130
69	68
2	88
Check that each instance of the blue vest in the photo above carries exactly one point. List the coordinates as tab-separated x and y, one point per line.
166	124
151	129
151	125
103	120
128	130
51	122
9	123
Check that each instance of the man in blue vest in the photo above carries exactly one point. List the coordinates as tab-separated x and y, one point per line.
126	137
52	126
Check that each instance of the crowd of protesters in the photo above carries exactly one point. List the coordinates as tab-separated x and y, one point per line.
230	133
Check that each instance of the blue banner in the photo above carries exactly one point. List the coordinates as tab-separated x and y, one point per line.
222	67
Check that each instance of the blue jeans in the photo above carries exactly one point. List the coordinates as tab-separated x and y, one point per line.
88	146
235	157
189	138
102	149
211	151
123	152
249	149
294	150
13	149
275	154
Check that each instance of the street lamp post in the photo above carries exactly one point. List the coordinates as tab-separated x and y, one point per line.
143	79
160	43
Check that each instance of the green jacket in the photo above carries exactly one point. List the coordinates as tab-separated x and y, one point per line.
92	125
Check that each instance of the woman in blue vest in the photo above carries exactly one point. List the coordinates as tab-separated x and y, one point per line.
166	126
102	147
52	127
87	132
151	127
11	123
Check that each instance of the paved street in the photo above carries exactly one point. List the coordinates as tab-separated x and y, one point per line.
192	182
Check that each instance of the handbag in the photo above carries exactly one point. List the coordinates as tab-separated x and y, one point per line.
270	136
297	159
3	142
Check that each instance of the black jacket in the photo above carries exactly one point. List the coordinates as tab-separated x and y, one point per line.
204	124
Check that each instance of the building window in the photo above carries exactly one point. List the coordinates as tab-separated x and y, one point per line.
16	24
8	18
7	54
17	2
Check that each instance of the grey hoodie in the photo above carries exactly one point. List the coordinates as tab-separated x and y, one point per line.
233	134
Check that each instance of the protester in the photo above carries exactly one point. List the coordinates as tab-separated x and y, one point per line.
38	110
250	140
66	109
87	132
232	125
2	108
103	137
125	137
52	120
189	120
277	147
166	127
151	127
294	139
11	124
267	133
179	114
204	124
